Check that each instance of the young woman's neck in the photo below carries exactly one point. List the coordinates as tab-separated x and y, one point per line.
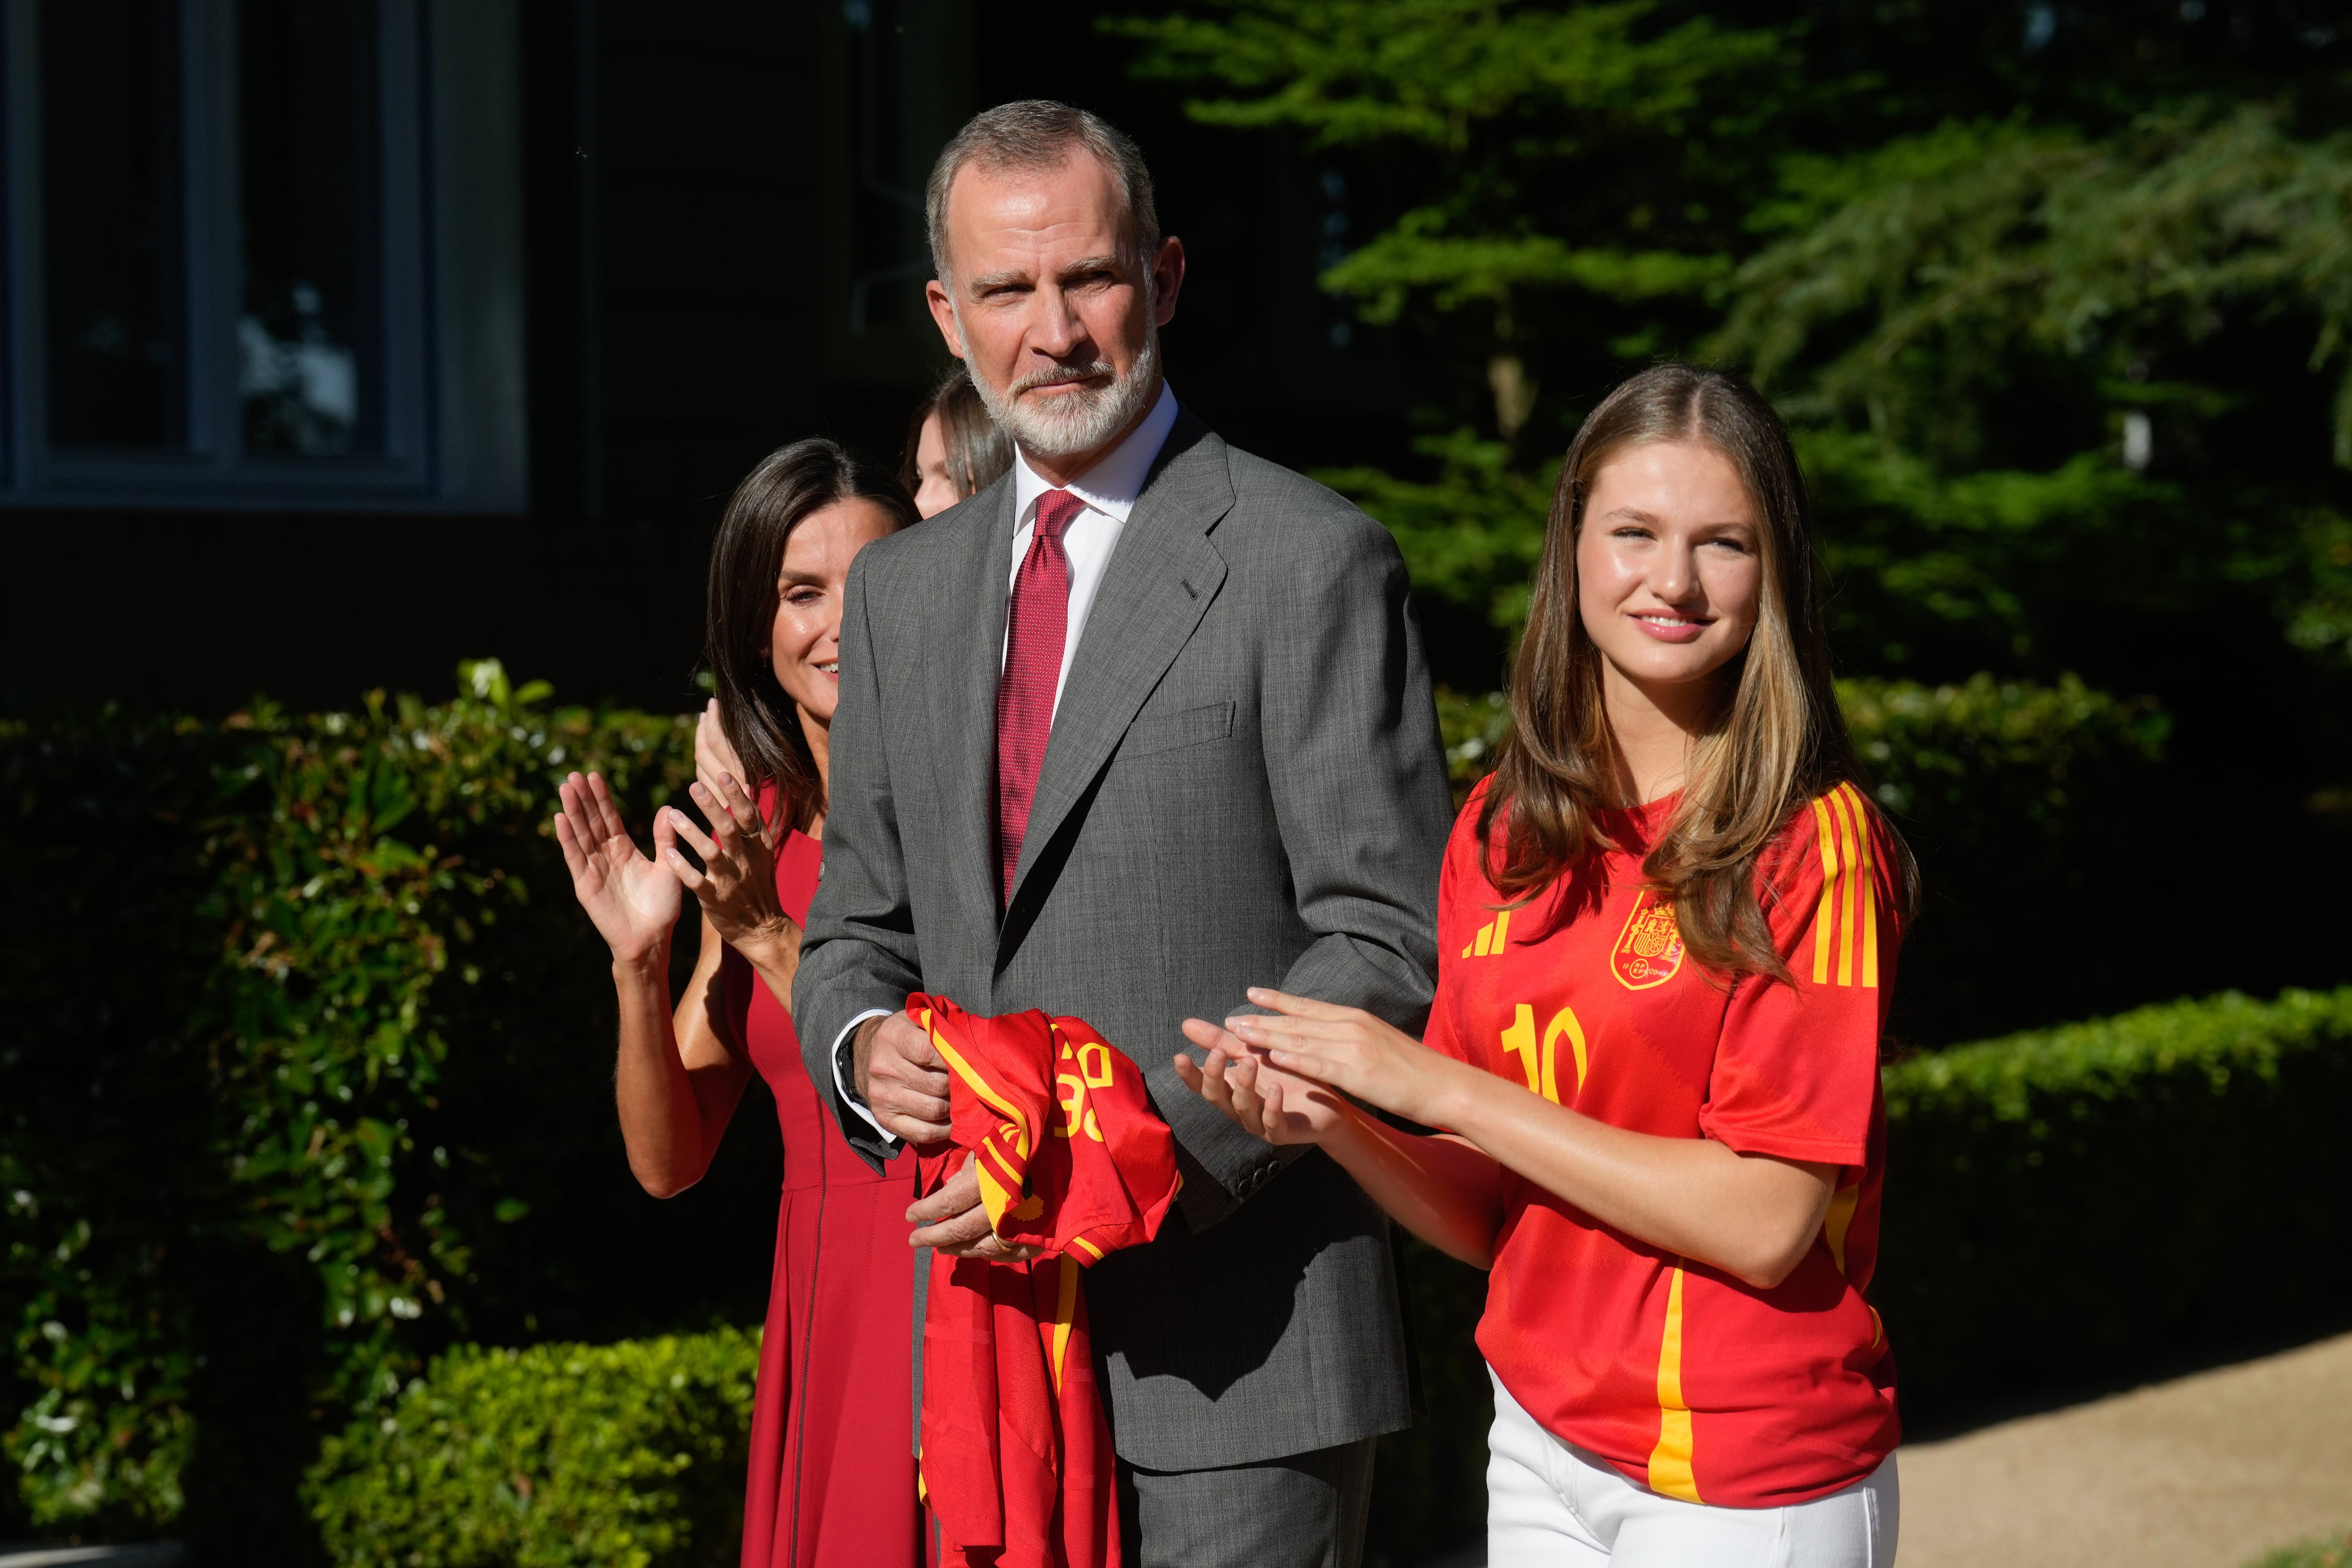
1658	728
819	736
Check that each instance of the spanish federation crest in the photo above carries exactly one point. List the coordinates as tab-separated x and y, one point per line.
1649	951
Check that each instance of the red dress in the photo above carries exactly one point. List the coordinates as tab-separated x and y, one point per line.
832	1480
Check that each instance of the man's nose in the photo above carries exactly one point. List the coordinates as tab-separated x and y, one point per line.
1056	328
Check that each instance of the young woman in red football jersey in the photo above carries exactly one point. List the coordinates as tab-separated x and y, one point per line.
1667	933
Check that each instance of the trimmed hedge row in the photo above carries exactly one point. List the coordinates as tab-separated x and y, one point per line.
562	1455
2067	1200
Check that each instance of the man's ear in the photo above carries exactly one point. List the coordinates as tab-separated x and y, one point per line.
935	294
1167	278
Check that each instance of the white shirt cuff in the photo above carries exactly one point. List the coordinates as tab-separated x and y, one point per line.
841	1085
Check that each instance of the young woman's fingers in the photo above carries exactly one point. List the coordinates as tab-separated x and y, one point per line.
1209	1037
1244	1081
1299	1006
1263	1029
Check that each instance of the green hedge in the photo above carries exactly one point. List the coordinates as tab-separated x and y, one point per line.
2065	1201
622	1456
2029	807
2062	1205
305	1072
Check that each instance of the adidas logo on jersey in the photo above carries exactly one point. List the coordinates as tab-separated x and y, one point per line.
1490	937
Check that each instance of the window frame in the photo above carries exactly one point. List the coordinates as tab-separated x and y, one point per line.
433	274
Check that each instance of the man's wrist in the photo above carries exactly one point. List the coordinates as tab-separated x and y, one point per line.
858	1055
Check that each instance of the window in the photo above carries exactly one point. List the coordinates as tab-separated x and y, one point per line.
239	275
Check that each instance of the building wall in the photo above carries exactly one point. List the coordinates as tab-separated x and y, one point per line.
721	251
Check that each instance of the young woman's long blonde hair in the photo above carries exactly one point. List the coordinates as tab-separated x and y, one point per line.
1778	739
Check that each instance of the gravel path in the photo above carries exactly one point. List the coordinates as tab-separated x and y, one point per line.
2209	1471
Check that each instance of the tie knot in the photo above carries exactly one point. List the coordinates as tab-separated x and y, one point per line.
1056	508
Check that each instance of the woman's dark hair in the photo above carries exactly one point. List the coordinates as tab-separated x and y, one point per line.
746	559
1778	740
978	452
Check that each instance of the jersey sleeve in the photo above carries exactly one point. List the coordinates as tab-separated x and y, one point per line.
1457	879
1796	1069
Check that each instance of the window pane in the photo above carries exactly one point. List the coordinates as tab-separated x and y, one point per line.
110	221
307	339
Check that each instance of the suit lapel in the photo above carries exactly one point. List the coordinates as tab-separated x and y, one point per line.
1159	584
961	680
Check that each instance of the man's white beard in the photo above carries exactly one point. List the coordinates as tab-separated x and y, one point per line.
1081	419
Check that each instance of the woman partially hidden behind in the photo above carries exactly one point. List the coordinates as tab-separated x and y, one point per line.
1666	934
832	1481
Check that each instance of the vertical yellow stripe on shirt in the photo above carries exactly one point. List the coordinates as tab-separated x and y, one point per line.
1670	1461
1065	1311
1846	880
1825	917
1502	929
1869	892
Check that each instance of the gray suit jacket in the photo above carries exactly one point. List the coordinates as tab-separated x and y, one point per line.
1244	786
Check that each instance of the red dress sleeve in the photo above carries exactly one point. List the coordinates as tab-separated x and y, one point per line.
1796	1069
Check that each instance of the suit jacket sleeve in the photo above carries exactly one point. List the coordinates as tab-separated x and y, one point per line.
859	951
1358	776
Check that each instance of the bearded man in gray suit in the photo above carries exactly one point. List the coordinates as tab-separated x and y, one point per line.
1143	724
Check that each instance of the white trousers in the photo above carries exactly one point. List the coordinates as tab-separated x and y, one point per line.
1550	1504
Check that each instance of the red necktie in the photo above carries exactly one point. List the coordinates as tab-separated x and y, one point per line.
1036	630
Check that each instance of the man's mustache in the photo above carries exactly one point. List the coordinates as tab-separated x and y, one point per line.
1055	374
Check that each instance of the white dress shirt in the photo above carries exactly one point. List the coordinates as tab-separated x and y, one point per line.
1109	490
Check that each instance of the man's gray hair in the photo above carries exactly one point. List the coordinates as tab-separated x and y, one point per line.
1038	133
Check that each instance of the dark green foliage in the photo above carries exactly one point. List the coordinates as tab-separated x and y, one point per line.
2061	1207
2064	1200
305	1071
562	1455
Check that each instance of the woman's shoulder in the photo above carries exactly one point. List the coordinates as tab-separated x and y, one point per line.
1837	832
1464	836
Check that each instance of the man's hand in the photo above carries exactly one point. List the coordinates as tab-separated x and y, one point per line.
953	1221
903	1083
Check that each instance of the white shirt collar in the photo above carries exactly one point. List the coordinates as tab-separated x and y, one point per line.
1111	487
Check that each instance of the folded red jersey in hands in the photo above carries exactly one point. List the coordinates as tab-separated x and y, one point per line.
1071	1158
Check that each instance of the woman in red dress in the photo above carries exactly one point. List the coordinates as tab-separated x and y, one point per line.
832	1481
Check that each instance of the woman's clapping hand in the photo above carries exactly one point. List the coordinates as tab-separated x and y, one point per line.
737	883
1267	1103
1278	1072
633	901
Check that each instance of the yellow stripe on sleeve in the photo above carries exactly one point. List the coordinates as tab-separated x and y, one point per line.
1845	888
1824	918
1670	1462
1869	891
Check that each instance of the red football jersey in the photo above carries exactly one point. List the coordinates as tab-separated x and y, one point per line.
1016	1458
1686	1379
